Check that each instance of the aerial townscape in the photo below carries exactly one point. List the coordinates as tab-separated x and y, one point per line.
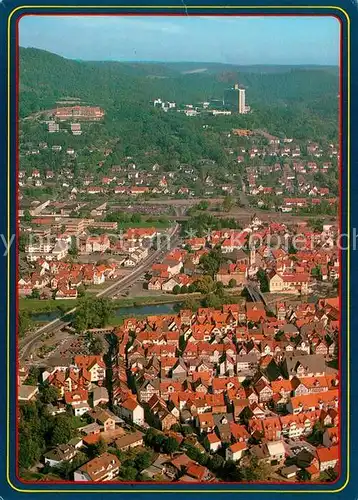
178	272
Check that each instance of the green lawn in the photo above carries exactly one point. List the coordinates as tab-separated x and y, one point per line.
79	422
44	306
37	476
38	305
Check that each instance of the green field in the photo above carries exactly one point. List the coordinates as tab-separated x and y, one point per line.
43	306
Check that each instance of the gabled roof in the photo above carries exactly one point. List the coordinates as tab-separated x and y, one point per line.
99	466
240	446
130	404
328	454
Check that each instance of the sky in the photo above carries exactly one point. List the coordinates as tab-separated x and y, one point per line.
233	40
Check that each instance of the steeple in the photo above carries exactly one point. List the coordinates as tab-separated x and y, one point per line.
252	255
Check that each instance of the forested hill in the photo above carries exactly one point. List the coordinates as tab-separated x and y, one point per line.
307	96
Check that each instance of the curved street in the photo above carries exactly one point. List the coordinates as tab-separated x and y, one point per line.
27	344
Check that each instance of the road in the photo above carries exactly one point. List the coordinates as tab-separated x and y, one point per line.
132	277
27	344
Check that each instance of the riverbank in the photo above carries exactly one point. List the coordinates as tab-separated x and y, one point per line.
44	311
50	305
56	308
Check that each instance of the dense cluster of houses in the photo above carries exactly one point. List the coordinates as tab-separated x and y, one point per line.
81	386
248	384
245	379
61	280
294	172
286	148
294	175
48	247
259	246
297	179
237	374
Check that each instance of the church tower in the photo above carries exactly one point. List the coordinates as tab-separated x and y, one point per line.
252	255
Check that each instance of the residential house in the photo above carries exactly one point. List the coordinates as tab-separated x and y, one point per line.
100	469
130	409
328	457
63	453
235	451
213	442
129	441
94	365
104	419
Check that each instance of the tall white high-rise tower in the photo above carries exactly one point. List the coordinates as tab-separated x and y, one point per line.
242	105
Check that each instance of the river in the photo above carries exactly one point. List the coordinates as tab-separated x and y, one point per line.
145	310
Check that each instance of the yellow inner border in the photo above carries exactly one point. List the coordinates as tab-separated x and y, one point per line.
134	490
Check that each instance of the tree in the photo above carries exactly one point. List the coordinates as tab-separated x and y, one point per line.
203	205
184	289
176	289
128	473
24	322
303	475
254	470
317	224
73	250
280	335
213	301
228	203
49	393
35	431
264	283
219	289
63	430
171	445
143	460
205	284
64	470
35	294
97	449
216	462
27	216
292	249
316	436
191	288
182	343
149	436
23	241
317	273
30	448
158	442
191	303
232	283
95	345
192	452
230	471
211	262
329	475
33	377
136	218
92	312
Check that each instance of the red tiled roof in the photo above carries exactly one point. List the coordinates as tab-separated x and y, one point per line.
130	404
328	454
